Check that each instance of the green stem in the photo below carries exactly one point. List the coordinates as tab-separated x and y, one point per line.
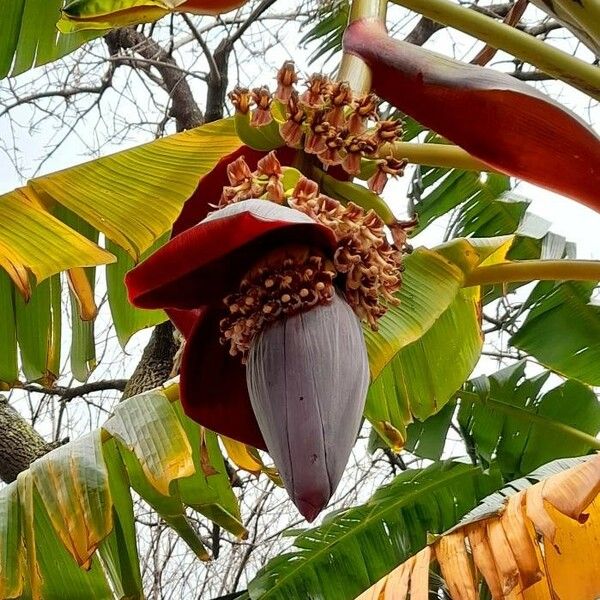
438	155
535	270
353	69
530	417
545	57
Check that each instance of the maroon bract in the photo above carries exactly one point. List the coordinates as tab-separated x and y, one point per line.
498	119
191	275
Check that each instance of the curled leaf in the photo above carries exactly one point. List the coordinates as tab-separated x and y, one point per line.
496	118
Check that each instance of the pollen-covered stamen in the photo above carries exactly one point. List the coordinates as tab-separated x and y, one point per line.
262	114
240	98
286	78
370	266
386	167
364	108
285	282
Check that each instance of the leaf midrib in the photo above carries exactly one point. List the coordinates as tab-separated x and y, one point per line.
370	517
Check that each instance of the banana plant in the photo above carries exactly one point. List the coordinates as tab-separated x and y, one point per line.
302	304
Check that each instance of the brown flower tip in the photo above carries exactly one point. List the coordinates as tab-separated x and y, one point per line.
317	133
364	108
387	132
240	98
266	182
318	87
291	130
340	97
386	167
270	168
370	266
262	114
287	281
356	147
286	78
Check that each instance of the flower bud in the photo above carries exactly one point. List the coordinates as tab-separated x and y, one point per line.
307	377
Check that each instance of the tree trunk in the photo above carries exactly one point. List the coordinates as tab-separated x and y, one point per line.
20	443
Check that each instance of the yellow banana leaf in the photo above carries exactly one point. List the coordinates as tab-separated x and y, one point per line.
104	14
543	544
67	527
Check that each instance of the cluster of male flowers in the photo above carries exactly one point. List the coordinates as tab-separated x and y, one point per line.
327	121
292	273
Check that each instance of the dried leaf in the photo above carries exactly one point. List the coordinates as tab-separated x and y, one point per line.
419	579
483	558
456	567
506	565
519	540
572	491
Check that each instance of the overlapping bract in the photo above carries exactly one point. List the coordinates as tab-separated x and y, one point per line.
302	394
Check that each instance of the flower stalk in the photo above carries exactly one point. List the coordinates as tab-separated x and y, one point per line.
433	155
353	69
545	57
535	270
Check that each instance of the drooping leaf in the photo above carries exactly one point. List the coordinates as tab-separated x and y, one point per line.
486	112
143	189
210	495
73	485
38	331
76	501
562	329
430	284
410	375
361	544
127	319
35	241
118	550
148	426
83	345
12	559
423	376
9	370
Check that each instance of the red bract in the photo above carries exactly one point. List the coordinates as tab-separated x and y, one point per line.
502	121
191	275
